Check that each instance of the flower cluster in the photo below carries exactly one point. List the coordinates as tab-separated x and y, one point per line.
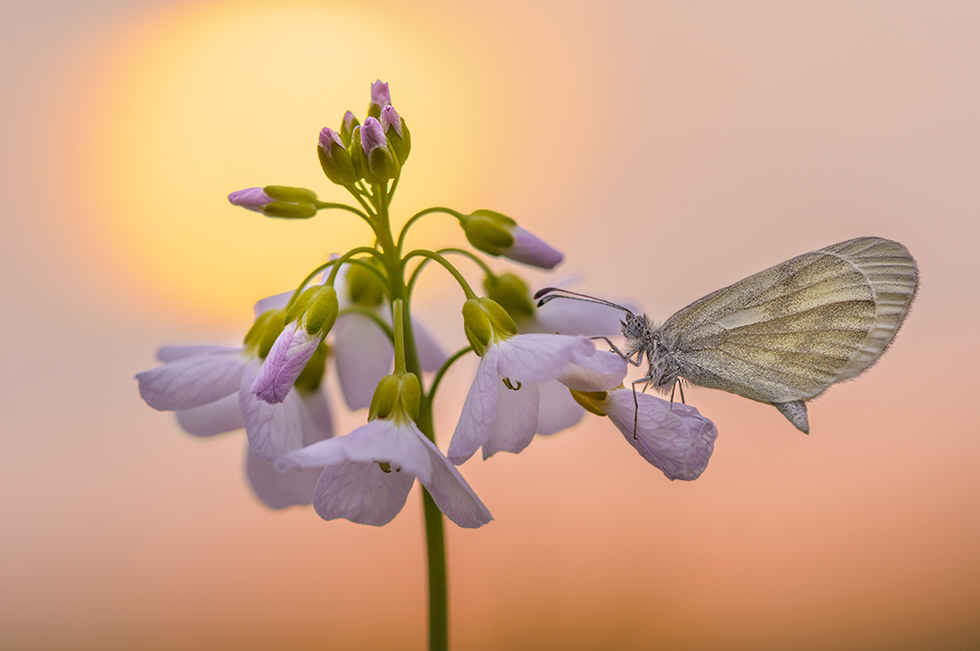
539	371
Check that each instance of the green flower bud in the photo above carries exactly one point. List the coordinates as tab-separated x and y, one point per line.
483	321
317	308
396	132
290	194
347	126
511	293
489	231
357	155
382	163
476	325
397	397
264	332
364	286
335	159
277	201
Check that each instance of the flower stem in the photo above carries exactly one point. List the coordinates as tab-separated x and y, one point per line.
435	538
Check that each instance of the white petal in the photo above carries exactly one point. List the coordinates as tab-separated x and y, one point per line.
579	318
451	493
318	455
193	381
317	421
274	302
364	355
599	371
677	440
431	354
217	417
279	490
479	409
361	492
173	353
538	357
273	429
391	442
515	420
557	409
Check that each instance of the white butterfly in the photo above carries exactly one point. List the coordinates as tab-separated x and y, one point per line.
781	336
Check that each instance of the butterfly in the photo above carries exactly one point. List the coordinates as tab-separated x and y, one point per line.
782	336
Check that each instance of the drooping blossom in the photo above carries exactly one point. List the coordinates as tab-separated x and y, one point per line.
675	438
209	389
503	407
557	409
368	473
362	351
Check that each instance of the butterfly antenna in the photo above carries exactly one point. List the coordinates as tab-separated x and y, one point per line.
548	294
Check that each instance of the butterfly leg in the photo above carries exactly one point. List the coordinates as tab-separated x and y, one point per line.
676	385
628	357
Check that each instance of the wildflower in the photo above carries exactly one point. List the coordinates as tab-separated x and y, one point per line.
675	438
503	406
557	410
200	383
368	473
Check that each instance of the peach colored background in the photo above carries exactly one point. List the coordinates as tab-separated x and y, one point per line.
668	148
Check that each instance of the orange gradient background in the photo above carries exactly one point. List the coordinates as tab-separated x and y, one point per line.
668	148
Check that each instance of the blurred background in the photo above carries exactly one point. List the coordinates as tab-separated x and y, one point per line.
668	148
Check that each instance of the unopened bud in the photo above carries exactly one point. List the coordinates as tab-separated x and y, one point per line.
335	159
511	293
396	132
397	397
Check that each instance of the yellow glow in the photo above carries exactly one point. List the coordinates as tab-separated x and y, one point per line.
193	104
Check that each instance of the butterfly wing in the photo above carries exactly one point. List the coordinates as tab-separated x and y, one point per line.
786	334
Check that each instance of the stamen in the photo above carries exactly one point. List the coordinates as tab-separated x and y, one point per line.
510	385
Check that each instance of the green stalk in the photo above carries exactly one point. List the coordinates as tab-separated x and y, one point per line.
434	530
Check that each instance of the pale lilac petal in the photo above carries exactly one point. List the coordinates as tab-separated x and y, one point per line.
274	302
380	94
571	317
451	493
391	442
538	357
516	419
479	409
217	417
364	355
252	198
557	409
372	135
361	492
272	429
324	453
530	249
317	421
291	351
431	354
173	353
598	371
280	490
678	441
192	381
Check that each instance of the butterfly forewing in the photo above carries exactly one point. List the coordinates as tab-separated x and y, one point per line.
791	331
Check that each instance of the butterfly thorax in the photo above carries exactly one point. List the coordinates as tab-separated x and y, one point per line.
646	338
